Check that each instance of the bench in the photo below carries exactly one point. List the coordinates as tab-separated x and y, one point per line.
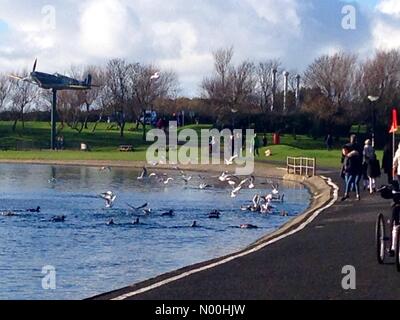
126	148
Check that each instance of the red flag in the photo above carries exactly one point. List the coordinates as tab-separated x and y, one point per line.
394	127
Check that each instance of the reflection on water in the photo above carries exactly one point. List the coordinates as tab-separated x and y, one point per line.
90	257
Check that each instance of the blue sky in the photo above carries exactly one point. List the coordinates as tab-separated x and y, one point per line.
181	34
3	26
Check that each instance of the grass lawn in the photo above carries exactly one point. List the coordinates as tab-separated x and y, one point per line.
32	143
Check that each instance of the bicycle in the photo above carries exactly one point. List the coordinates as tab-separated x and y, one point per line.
384	242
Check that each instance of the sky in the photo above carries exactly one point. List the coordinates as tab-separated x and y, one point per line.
182	34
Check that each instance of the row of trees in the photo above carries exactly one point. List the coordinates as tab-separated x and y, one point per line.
122	91
333	95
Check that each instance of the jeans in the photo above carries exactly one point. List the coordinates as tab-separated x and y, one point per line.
353	181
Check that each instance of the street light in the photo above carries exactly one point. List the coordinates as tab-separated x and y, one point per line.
373	100
153	78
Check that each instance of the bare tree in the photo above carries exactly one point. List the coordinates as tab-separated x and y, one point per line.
330	82
334	76
86	98
5	87
23	95
264	89
118	76
231	88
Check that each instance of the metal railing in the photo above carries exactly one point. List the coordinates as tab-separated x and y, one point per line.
302	166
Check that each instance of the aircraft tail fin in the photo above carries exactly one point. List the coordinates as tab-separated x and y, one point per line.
89	80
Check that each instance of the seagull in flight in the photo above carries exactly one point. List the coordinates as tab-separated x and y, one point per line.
137	208
155	76
144	174
204	186
109	197
168	180
230	161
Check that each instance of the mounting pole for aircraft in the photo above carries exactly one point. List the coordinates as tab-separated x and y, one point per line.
54	120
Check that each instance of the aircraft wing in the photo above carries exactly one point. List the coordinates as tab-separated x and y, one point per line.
21	79
16	77
77	87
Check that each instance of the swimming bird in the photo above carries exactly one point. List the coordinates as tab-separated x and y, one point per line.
8	214
111	222
284	213
252	180
58	219
147	211
170	213
194	225
52	180
102	169
214	214
144	174
204	186
136	222
109	197
37	210
248	226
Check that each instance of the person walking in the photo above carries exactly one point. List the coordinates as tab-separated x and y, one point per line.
256	146
396	164
265	140
351	171
373	166
387	161
329	142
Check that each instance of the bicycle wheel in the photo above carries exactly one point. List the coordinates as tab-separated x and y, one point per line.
397	253
380	239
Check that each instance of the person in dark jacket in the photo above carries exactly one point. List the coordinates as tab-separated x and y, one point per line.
387	162
352	171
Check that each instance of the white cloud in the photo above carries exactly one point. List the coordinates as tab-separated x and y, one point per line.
386	28
391	7
181	34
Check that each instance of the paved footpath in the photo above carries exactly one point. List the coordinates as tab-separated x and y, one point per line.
306	265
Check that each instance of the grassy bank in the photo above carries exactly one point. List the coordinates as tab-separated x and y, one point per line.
32	143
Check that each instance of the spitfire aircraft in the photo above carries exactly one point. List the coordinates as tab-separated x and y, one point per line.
55	81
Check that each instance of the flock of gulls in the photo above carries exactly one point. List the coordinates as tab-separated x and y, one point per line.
262	204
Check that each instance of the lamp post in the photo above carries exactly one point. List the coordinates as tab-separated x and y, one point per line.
372	100
154	77
285	89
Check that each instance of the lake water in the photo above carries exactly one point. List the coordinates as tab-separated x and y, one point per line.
91	257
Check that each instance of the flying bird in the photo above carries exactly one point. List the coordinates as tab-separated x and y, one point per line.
137	208
155	76
109	197
229	162
143	175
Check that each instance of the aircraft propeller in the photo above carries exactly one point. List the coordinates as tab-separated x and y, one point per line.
34	65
